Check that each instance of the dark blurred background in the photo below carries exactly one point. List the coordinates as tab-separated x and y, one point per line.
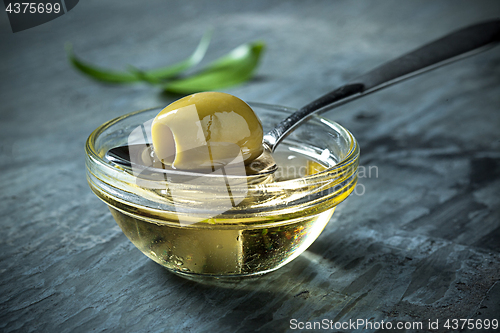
421	243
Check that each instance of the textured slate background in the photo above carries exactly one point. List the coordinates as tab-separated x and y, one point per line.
422	243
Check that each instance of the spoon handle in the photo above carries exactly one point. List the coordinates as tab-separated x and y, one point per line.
452	47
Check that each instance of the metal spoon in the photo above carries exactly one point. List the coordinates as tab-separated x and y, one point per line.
452	47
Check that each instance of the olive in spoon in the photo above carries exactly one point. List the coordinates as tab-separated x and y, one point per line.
452	47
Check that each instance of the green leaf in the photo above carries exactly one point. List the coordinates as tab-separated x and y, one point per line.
231	69
97	73
134	74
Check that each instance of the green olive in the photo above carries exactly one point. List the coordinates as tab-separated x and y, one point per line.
206	129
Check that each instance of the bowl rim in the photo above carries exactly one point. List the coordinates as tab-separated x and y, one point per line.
350	158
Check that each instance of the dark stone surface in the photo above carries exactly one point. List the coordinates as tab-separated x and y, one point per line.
421	243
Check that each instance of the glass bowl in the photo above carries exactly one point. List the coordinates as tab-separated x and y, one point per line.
228	229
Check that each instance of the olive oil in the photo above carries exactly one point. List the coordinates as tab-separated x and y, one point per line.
230	248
